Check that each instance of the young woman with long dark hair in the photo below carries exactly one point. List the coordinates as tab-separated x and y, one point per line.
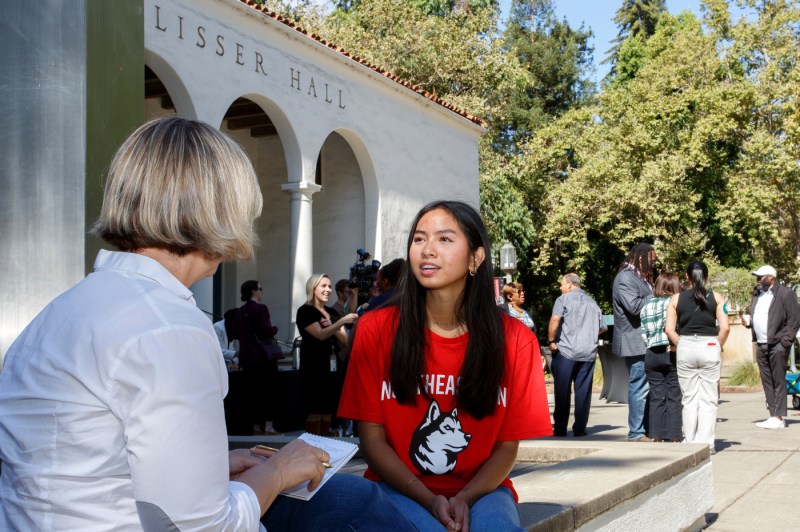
703	324
444	384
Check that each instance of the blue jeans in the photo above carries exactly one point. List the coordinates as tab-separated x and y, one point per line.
638	389
345	502
494	511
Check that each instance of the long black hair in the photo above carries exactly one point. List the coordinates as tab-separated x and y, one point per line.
484	364
639	258
697	272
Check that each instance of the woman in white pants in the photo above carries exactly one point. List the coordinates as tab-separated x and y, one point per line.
698	325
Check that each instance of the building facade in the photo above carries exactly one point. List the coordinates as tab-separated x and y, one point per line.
345	153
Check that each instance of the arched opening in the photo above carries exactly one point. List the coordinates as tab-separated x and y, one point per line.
339	218
250	126
247	122
157	101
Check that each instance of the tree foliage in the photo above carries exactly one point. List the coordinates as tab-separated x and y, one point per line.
458	55
692	145
696	152
557	59
635	19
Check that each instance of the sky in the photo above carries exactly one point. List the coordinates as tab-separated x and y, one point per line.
598	15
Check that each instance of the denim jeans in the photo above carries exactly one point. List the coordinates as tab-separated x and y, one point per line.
638	389
345	502
494	511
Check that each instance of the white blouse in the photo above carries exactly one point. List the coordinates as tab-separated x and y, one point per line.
111	413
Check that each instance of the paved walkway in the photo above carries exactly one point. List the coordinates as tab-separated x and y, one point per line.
756	471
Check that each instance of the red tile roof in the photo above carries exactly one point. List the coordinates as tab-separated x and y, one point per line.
379	70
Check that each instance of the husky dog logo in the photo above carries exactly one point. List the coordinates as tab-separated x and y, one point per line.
437	441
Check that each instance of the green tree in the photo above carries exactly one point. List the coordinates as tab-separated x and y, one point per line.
696	152
558	59
762	205
307	13
458	56
430	7
635	18
443	7
622	170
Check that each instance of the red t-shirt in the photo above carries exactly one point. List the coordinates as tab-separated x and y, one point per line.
441	445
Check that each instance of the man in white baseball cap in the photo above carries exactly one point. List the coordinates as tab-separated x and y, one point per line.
765	270
776	319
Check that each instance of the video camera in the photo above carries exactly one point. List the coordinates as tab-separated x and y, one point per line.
363	274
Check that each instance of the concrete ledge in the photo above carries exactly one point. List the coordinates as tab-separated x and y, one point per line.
625	486
599	485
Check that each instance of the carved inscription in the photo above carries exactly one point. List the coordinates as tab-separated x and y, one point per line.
243	56
296	82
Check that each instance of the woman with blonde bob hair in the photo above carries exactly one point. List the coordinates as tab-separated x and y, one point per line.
111	412
208	207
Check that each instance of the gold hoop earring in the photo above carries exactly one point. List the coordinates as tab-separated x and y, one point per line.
472	273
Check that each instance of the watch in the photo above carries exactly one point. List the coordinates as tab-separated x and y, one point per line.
551	341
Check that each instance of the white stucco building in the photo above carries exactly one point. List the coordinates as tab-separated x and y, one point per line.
345	152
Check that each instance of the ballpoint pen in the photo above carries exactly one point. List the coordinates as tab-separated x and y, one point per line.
274	450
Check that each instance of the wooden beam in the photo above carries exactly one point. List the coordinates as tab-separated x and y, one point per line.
153	88
263	131
242	111
247	122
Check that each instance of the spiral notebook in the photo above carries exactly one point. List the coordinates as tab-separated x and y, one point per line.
340	452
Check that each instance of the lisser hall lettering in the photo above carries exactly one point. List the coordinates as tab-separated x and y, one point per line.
245	56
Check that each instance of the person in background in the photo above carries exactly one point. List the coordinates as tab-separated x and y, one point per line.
633	287
343	292
572	334
111	408
322	331
660	364
386	280
698	315
260	374
775	322
226	335
443	384
514	296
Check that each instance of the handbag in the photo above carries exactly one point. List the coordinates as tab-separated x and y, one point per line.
269	349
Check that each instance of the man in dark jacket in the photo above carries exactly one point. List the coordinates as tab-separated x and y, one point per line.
633	287
775	321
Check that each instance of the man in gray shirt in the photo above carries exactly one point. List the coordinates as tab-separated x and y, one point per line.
574	327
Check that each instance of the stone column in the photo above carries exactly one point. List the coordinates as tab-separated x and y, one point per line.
301	252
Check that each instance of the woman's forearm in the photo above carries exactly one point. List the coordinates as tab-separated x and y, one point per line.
383	459
319	332
492	473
